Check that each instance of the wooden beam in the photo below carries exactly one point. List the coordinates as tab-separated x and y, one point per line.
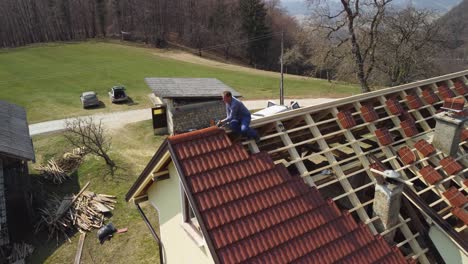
339	172
80	248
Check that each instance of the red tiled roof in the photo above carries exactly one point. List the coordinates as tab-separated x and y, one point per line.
255	211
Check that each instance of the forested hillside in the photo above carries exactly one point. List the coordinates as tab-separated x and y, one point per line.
245	29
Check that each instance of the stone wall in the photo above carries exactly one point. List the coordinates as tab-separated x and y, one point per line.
194	116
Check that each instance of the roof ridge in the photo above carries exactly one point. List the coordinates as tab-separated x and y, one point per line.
189	136
327	224
311	211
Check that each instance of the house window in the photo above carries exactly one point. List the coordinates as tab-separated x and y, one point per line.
190	224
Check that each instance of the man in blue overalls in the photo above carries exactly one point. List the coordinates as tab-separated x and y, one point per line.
238	117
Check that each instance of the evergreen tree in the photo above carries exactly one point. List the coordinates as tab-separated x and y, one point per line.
253	14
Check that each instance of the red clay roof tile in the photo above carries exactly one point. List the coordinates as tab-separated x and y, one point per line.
430	174
429	96
455	197
425	148
445	92
461	213
255	211
368	113
451	166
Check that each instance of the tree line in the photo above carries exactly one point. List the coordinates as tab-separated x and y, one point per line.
243	29
366	41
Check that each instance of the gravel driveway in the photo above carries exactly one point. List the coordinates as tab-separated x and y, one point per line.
119	119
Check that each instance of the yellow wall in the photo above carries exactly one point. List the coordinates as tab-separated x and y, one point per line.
447	249
178	246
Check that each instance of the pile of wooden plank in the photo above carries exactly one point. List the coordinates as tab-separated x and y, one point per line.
83	211
89	210
53	172
59	171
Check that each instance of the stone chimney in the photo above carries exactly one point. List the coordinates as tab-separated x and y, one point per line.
448	131
387	202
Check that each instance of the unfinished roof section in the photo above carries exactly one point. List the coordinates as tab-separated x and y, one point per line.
334	144
188	87
251	210
15	140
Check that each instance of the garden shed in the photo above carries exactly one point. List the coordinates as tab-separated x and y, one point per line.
185	104
16	149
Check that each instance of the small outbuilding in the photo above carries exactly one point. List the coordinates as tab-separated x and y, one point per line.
185	104
16	149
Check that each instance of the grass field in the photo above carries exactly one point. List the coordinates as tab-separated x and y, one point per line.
48	79
131	151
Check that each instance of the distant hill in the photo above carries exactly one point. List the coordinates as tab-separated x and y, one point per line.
299	8
456	22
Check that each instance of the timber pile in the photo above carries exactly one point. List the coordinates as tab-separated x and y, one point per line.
90	209
20	252
53	172
84	211
59	171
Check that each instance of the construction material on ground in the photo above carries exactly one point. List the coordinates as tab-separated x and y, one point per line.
90	208
80	248
20	252
52	172
83	211
60	170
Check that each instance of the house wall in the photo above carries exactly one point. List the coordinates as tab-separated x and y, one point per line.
178	246
182	118
447	249
3	218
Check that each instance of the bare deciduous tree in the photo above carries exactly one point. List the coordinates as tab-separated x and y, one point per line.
92	135
354	24
408	45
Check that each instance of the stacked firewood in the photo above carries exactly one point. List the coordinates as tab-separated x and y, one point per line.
84	211
53	172
59	171
89	210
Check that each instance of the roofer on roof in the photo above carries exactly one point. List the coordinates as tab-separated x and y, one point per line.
238	117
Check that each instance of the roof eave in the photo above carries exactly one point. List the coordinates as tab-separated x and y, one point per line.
161	155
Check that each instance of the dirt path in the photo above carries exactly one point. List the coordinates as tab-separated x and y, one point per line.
120	119
191	58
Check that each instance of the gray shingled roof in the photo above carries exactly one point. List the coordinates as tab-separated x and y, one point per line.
188	87
14	132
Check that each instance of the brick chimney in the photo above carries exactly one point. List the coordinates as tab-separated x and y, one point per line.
448	131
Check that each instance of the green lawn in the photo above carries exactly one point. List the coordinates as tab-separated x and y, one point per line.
48	79
131	151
